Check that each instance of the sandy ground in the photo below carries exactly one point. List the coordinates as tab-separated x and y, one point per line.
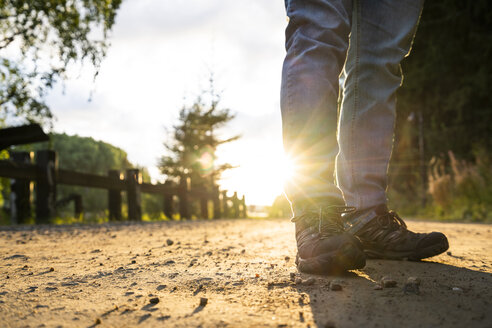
130	275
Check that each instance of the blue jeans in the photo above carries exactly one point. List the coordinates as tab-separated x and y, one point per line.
343	54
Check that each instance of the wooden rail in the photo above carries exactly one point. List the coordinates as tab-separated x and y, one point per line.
46	175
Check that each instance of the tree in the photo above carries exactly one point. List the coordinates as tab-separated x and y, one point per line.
444	103
194	141
448	77
38	42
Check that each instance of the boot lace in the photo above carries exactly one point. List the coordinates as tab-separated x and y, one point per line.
389	228
329	218
391	221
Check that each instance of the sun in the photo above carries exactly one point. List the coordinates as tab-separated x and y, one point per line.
262	171
261	180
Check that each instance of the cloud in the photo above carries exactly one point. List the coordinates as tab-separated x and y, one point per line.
161	18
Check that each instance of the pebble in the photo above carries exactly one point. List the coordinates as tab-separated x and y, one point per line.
388	282
203	301
457	289
169	242
52	269
335	285
411	288
161	287
287	258
413	280
98	321
154	300
309	281
378	287
412	285
133	261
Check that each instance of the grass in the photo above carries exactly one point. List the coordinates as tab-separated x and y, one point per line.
458	190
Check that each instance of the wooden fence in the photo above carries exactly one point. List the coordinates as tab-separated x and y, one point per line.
46	176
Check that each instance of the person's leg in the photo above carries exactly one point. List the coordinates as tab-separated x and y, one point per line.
381	36
316	44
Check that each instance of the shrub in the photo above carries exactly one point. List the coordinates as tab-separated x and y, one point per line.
461	189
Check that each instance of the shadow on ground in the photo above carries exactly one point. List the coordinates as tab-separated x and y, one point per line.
448	296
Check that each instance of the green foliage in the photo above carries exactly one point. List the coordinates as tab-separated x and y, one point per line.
447	83
152	206
48	35
84	154
448	76
461	189
280	208
194	140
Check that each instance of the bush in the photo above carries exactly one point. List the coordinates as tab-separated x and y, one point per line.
461	189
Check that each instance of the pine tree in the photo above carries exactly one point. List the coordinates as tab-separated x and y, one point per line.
193	144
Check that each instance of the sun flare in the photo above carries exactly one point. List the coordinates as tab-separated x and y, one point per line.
286	169
260	178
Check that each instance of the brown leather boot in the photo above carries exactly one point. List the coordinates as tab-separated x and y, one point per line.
322	243
386	236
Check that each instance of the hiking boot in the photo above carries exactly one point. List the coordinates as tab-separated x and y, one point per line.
386	236
323	246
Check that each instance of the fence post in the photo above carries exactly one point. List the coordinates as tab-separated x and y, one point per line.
204	206
168	203
216	201
243	207
20	191
114	198
46	186
225	206
235	205
133	180
78	206
184	210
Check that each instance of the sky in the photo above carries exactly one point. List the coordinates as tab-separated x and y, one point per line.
161	57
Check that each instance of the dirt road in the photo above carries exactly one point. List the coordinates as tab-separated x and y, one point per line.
241	271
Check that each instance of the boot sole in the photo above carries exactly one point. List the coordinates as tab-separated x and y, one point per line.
410	255
336	262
